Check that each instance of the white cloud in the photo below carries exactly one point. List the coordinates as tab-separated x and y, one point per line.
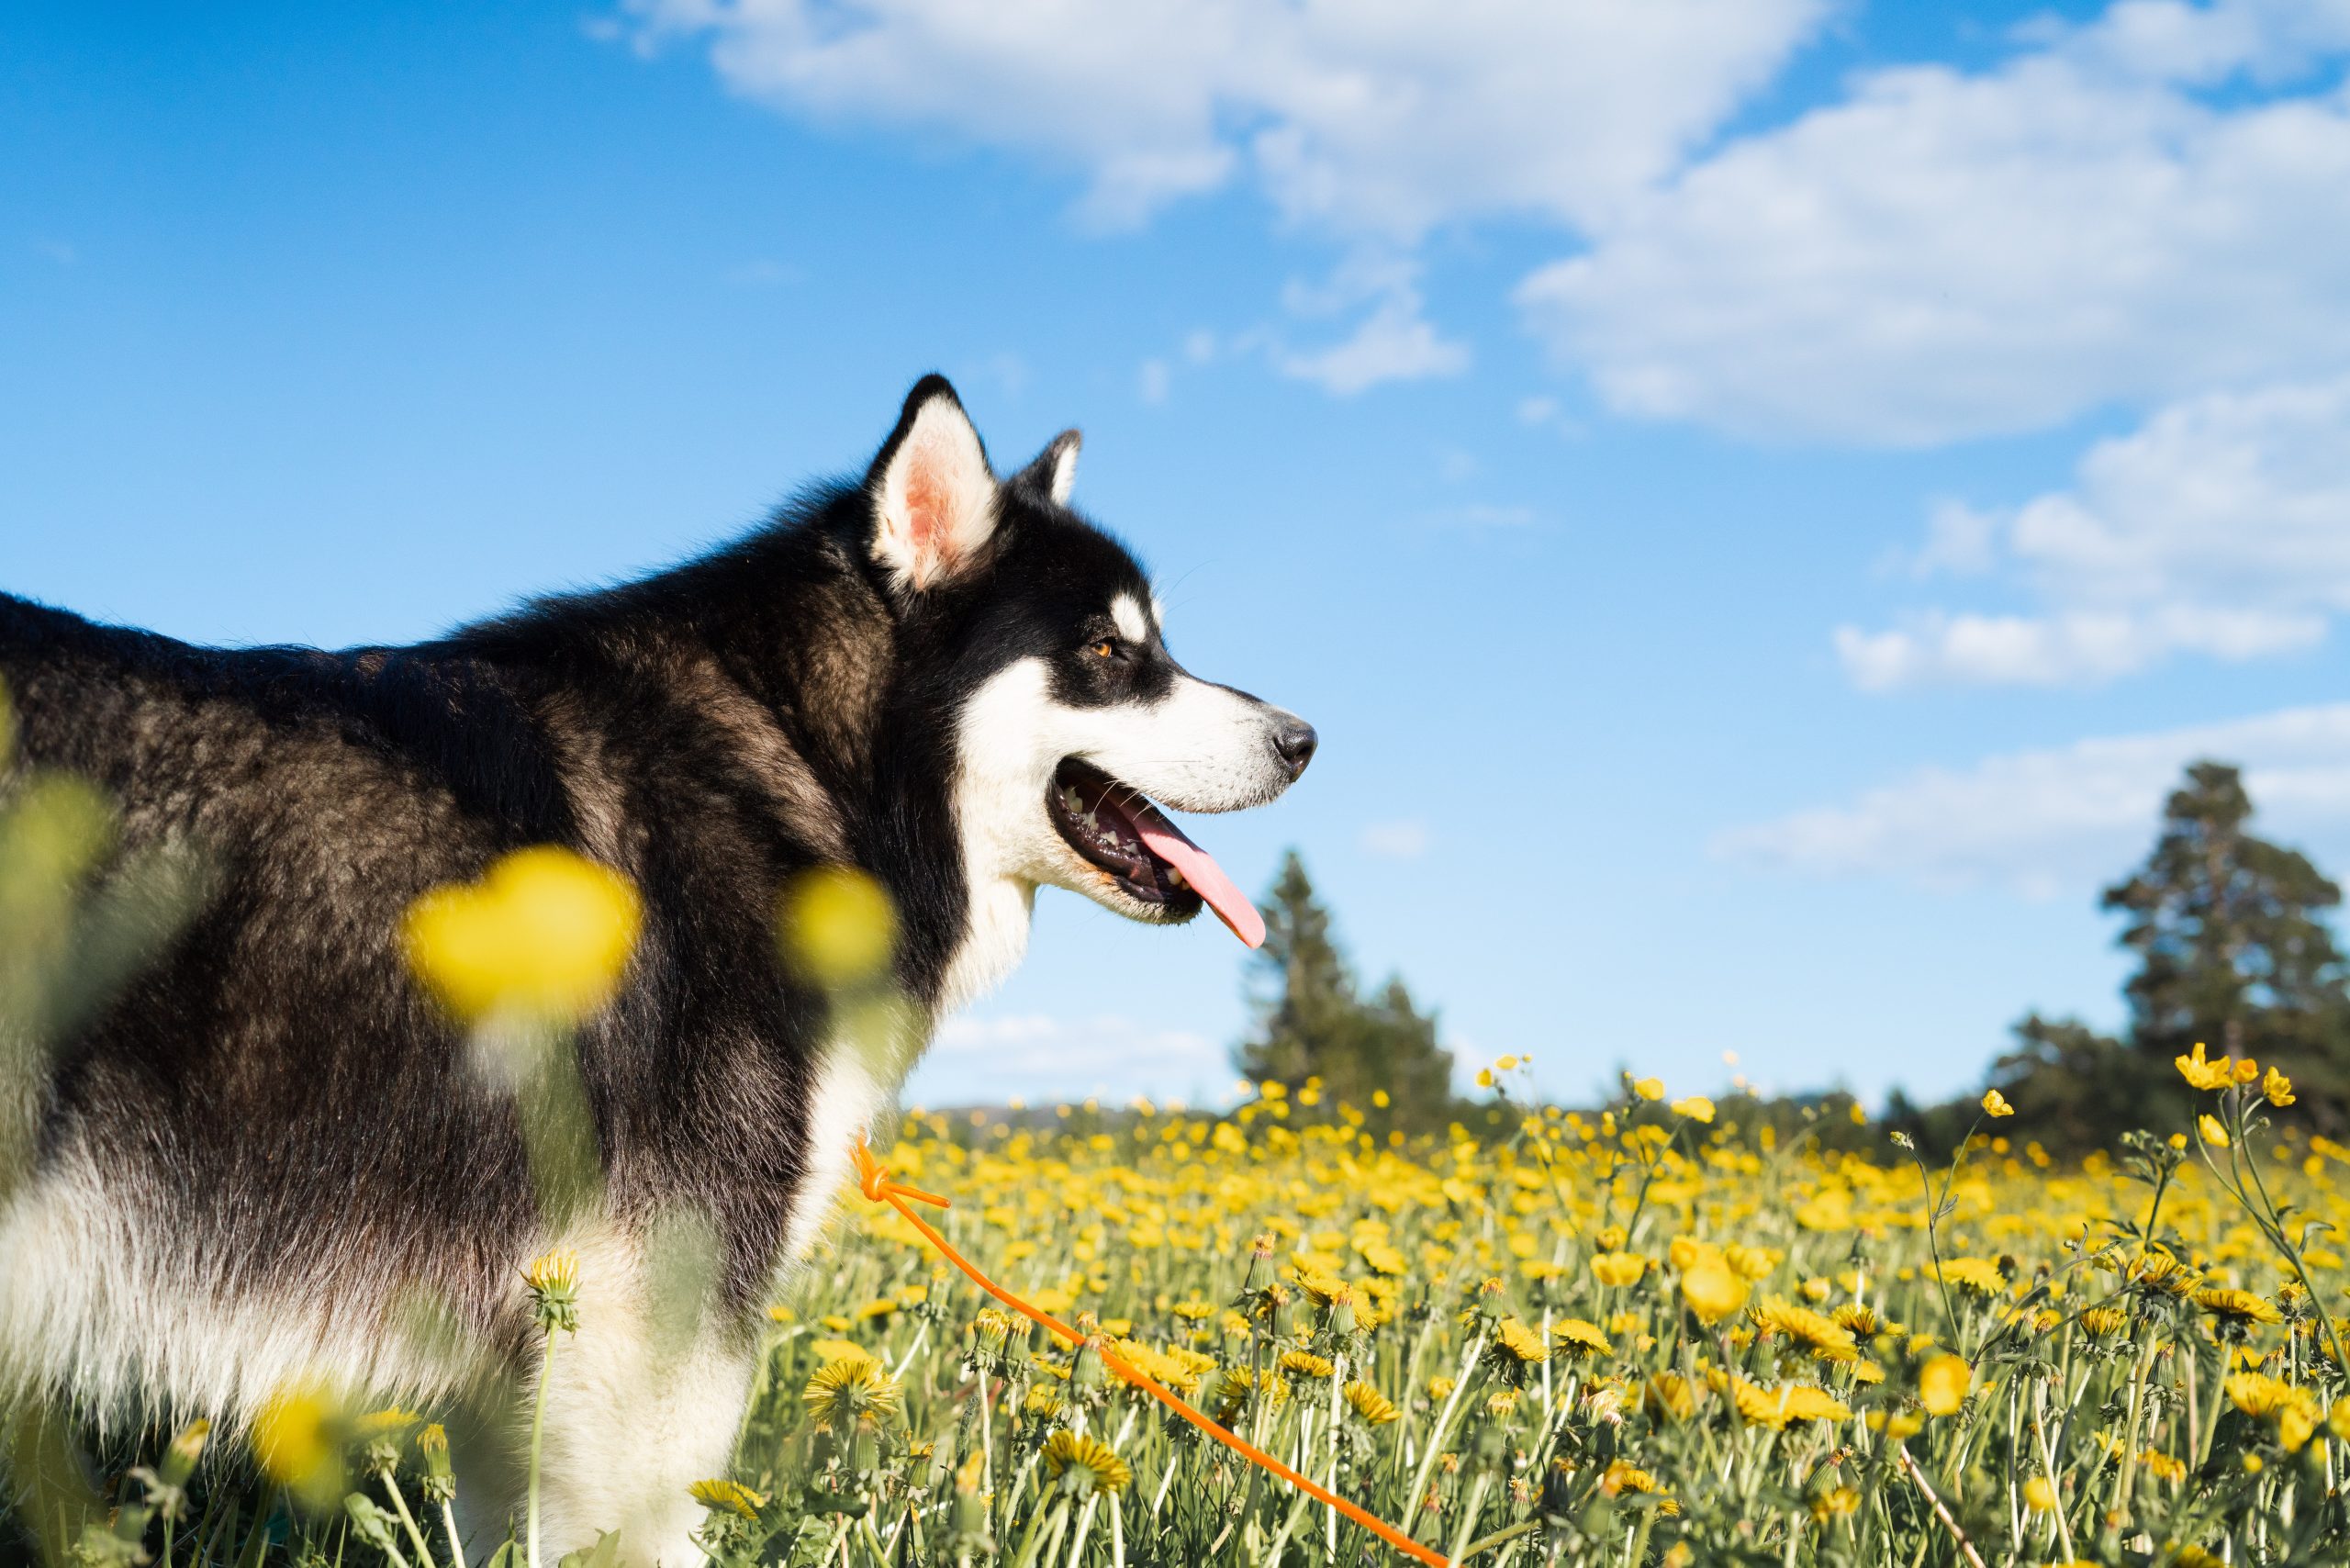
988	1060
1378	120
1405	839
1367	124
2060	820
1151	381
2220	526
2145	206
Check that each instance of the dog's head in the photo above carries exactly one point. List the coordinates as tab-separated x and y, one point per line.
1072	723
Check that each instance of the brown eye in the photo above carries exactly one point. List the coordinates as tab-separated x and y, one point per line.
1105	649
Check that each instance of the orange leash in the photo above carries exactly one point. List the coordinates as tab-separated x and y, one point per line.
873	1180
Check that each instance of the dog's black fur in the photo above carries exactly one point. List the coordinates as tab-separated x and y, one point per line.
709	731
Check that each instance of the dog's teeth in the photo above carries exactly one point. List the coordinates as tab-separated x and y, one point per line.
1176	877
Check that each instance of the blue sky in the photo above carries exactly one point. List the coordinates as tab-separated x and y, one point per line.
1760	496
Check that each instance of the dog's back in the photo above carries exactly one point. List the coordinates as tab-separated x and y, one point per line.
255	1107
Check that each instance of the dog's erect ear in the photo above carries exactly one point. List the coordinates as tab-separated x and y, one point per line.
934	495
1054	473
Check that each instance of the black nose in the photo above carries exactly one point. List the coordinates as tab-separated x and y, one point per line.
1293	743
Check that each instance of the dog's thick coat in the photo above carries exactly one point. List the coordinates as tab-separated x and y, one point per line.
270	1149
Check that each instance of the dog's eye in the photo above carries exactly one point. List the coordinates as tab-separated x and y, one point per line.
1105	649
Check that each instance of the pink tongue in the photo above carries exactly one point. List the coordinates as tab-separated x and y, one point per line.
1207	877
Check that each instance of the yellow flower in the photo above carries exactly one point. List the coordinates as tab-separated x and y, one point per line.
1980	1275
292	1440
554	1283
2277	1088
851	1393
1712	1292
1485	1077
1304	1363
1578	1338
2039	1495
1367	1402
543	936
1942	1383
1996	1104
1085	1465
1619	1268
1669	1396
730	1495
2104	1321
1697	1107
1835	1503
2202	1073
2214	1133
837	926
1826	1339
1648	1088
2245	1307
1622	1476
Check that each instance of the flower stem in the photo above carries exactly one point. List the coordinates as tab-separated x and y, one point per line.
538	1430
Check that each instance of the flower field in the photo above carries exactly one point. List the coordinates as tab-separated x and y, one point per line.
1625	1337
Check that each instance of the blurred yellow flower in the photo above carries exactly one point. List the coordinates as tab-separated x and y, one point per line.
1619	1268
1712	1292
837	926
542	936
1648	1088
1698	1108
2039	1495
1943	1385
2214	1133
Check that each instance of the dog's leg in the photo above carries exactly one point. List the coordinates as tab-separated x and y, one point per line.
643	1400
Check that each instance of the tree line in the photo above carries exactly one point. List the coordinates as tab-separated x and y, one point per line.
2228	933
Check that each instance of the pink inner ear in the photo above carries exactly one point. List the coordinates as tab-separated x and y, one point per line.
930	503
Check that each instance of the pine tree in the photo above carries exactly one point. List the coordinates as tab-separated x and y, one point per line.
1310	1021
2231	942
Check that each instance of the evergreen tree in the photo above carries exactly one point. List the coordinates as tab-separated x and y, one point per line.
2232	941
1311	1022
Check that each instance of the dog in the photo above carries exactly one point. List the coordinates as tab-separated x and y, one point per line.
271	1136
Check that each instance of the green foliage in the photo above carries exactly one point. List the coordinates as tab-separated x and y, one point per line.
1313	1022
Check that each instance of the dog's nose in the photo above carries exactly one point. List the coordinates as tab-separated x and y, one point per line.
1293	743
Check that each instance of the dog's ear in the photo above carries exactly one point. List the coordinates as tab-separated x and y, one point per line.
934	495
1054	473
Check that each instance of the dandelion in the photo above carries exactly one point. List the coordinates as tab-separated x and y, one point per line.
554	1281
1085	1465
1580	1339
730	1497
1825	1338
1995	1105
1943	1385
295	1445
850	1395
1374	1407
2239	1306
2039	1495
1304	1363
2104	1321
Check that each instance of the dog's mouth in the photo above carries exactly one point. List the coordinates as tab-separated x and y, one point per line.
1115	828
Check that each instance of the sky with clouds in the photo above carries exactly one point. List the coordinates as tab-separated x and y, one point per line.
1761	496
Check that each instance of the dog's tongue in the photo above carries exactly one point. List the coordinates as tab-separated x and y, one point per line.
1207	877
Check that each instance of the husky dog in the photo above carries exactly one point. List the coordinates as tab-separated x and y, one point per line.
270	1137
